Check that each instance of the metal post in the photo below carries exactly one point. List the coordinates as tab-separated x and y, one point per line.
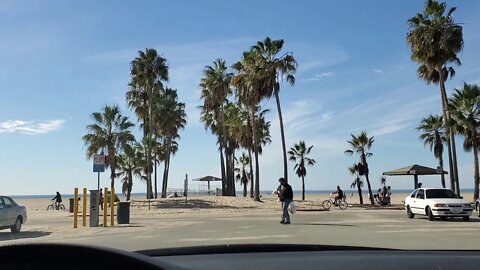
98	181
75	207
112	207
186	188
105	206
415	179
84	213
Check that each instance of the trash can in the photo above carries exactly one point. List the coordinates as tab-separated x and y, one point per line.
71	205
123	213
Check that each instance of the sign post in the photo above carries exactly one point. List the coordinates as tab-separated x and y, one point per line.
98	166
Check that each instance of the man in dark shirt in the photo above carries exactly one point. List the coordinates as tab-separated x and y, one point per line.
285	194
339	193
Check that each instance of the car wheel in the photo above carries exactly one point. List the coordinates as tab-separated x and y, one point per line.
18	225
430	214
466	218
410	214
478	209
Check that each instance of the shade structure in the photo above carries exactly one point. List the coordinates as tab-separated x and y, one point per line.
415	170
208	179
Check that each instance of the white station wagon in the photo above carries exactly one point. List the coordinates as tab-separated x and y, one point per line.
437	202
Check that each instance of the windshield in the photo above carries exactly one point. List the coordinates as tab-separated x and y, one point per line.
166	124
440	194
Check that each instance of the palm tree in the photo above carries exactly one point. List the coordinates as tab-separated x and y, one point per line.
361	144
249	87
356	170
464	108
299	153
435	40
276	68
148	71
129	165
215	87
110	131
171	118
434	135
242	174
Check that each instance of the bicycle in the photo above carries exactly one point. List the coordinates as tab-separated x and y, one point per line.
54	206
342	204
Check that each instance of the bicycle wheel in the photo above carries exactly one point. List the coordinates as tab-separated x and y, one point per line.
50	207
61	207
343	205
326	204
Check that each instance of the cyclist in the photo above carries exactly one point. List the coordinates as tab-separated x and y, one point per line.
339	195
57	199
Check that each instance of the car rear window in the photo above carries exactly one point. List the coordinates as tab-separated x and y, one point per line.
440	193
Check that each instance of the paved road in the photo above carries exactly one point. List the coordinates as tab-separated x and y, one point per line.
373	228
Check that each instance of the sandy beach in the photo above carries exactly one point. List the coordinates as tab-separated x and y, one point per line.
211	205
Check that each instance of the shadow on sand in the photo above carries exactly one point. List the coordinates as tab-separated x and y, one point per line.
6	235
194	203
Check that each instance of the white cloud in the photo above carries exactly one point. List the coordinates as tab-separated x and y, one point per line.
319	76
31	127
379	71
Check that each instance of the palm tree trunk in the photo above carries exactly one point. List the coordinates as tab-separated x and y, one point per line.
228	184
365	164
112	176
451	164
244	187
282	134
303	188
475	173
255	151
222	167
165	170
359	189
440	161
455	165
130	184
156	191
251	172
234	190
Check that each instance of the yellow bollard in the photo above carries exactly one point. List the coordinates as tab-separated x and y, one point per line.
105	206
84	213
75	208
112	207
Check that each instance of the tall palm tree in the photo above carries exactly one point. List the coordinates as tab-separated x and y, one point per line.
435	40
361	144
356	170
243	175
276	68
464	108
148	72
215	87
250	90
129	165
434	135
172	118
299	154
110	131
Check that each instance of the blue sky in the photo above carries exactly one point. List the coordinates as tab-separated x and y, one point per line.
63	60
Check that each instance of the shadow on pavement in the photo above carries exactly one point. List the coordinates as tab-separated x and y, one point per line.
5	236
325	224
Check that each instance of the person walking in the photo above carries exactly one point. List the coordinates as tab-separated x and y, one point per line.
285	195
